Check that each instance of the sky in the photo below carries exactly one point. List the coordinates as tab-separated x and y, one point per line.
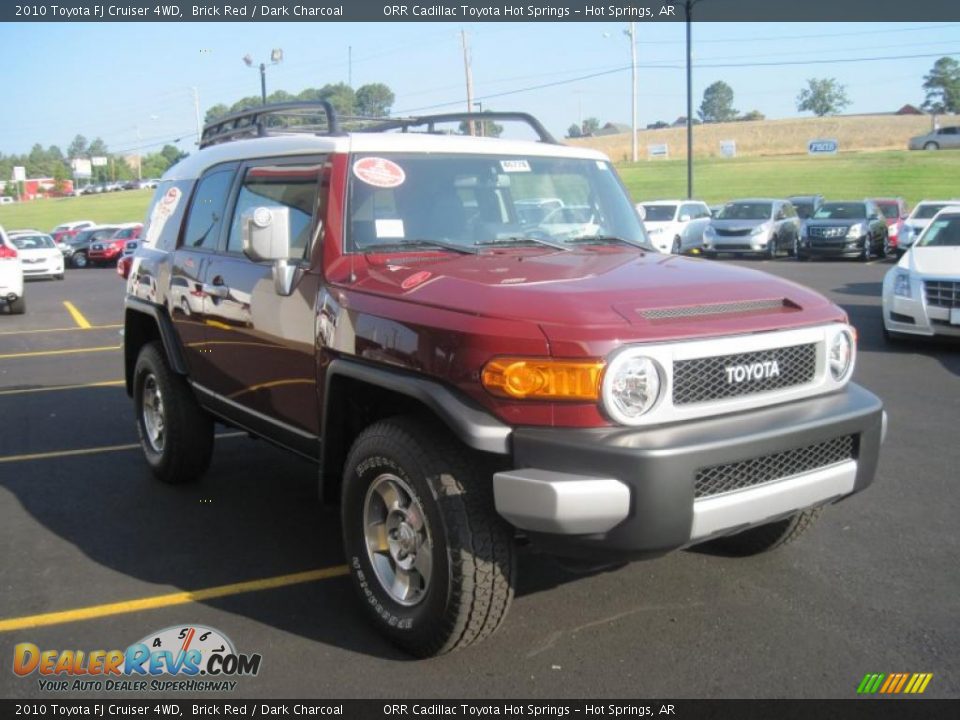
118	80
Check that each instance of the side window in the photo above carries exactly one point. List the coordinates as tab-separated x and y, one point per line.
294	187
206	211
703	211
781	212
689	210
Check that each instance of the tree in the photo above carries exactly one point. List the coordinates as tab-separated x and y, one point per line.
823	96
374	100
172	154
78	147
60	178
484	128
752	115
98	148
717	105
942	86
217	111
590	126
574	131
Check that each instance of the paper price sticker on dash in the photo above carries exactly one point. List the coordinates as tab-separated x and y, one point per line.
515	166
379	172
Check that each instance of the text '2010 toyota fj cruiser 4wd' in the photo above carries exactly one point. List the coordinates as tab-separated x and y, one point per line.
465	374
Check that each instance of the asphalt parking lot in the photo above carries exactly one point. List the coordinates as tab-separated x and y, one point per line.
84	531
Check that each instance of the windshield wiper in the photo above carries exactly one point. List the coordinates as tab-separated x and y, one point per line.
521	240
606	240
421	242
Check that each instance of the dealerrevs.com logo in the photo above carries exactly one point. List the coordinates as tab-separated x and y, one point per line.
188	658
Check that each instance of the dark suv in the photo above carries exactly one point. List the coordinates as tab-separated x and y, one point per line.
845	229
465	376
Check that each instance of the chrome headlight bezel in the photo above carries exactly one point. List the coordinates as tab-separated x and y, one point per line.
625	361
855	231
840	361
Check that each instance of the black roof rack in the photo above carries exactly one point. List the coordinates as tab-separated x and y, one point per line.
260	121
256	122
430	121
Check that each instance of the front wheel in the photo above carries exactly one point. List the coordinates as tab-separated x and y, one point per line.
931	146
176	434
18	306
432	561
764	538
79	260
676	246
865	252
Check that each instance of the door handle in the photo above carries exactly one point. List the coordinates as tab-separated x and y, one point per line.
219	291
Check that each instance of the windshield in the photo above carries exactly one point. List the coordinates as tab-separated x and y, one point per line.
33	242
126	233
927	210
471	201
943	232
804	209
660	213
81	237
746	211
891	211
841	211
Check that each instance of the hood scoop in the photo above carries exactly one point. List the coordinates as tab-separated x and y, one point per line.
693	312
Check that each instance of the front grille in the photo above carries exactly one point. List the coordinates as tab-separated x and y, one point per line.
719	479
734	246
942	293
826	231
703	379
726	232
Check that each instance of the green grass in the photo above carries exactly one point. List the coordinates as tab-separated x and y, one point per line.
847	176
44	215
912	175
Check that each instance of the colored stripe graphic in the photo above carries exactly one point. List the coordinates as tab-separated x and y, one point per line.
894	683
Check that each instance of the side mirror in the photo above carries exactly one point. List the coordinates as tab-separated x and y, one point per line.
641	211
266	233
684	218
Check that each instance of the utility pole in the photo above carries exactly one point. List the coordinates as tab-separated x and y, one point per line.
466	68
690	4
633	87
196	111
263	83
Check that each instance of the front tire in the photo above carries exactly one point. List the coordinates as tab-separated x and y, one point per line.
865	252
18	306
931	146
176	434
765	538
432	561
79	260
675	250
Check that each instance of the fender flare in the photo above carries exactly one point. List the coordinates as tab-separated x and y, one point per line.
168	337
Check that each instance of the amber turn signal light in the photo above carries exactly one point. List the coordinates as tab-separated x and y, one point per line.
543	378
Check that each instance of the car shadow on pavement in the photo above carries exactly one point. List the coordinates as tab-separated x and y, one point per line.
865	289
255	515
869	323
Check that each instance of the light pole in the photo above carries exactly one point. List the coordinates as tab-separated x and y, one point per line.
632	34
483	130
276	57
689	4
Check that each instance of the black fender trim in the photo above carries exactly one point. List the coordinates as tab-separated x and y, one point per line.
168	336
474	427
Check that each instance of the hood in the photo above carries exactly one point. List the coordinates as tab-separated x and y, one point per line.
601	292
826	222
933	261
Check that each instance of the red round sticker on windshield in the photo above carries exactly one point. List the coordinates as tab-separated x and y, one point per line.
379	172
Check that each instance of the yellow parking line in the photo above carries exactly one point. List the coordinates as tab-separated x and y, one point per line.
90	451
74	351
67	329
105	383
179	598
77	316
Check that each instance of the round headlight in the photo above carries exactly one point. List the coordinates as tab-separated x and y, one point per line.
631	386
840	355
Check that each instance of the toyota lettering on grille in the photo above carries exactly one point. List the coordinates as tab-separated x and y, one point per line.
752	371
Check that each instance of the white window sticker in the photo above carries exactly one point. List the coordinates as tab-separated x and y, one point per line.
389	228
515	166
602	165
379	172
162	210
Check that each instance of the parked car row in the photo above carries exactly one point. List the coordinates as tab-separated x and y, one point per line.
96	189
801	226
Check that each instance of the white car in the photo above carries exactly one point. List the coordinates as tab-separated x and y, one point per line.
918	220
921	294
39	254
676	226
11	276
76	225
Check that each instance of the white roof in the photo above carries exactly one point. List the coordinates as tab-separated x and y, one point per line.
298	144
671	202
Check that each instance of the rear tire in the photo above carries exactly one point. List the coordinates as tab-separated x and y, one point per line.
432	561
176	434
765	538
18	306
